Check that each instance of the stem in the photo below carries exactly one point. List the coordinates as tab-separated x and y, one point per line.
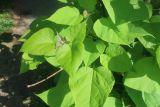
47	78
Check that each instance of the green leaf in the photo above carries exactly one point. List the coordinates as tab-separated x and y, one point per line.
40	43
63	1
91	53
121	34
150	9
151	100
70	57
100	45
107	31
52	60
104	60
136	52
60	96
71	35
143	84
74	33
66	16
145	77
126	10
155	18
149	43
90	87
30	62
158	56
136	96
113	102
116	59
143	99
88	4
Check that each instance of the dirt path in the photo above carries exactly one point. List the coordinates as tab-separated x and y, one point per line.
25	11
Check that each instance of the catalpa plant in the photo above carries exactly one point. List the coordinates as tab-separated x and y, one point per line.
107	51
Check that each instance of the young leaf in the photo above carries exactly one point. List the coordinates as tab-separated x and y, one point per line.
30	62
52	60
66	16
121	11
90	87
40	43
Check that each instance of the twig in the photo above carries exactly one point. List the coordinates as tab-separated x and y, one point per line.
41	81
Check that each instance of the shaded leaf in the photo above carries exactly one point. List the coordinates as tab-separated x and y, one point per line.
116	59
88	4
126	10
60	96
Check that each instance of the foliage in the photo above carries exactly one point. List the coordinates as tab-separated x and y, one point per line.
108	49
5	21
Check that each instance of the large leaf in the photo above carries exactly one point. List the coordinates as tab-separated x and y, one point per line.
67	16
40	43
121	34
60	96
88	4
126	10
116	59
145	79
70	57
107	31
72	35
90	87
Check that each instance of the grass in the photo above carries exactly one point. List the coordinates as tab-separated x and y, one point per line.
5	17
5	22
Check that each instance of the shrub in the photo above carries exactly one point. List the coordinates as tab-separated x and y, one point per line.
107	51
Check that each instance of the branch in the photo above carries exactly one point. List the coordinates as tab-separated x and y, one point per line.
41	81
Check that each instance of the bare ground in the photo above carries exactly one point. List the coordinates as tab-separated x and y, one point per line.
13	90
